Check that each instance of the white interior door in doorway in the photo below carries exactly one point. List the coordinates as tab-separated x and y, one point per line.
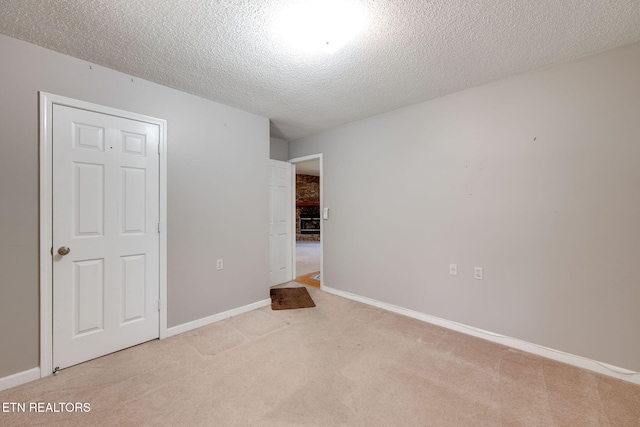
280	221
105	234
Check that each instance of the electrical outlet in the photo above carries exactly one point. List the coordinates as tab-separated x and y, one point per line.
453	269
219	265
477	273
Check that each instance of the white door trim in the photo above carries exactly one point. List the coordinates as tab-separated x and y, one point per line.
322	235
47	101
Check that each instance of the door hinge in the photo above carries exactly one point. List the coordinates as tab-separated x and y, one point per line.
158	148
159	304
158	227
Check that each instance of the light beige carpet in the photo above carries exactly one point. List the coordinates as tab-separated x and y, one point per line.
340	364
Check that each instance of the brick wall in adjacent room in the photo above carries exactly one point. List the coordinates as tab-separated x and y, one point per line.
307	190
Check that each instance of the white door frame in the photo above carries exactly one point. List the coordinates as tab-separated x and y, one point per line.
47	101
293	222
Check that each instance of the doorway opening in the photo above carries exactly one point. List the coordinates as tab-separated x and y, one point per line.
308	235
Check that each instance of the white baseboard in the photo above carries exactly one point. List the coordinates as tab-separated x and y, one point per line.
560	356
19	378
175	330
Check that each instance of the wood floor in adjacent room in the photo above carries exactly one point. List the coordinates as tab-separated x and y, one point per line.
341	363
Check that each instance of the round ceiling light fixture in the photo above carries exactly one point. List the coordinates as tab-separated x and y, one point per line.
327	25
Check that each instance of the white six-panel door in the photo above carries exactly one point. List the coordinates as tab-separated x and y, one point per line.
280	225
106	212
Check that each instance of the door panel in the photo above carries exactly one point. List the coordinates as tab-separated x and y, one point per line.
88	199
280	225
133	289
88	296
105	210
133	200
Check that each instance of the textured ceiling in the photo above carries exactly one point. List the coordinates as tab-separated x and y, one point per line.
410	50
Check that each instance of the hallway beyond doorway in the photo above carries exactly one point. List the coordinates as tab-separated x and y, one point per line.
307	257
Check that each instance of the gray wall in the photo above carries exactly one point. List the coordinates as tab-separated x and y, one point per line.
279	149
535	178
217	165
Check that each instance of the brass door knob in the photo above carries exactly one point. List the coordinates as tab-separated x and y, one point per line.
64	250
